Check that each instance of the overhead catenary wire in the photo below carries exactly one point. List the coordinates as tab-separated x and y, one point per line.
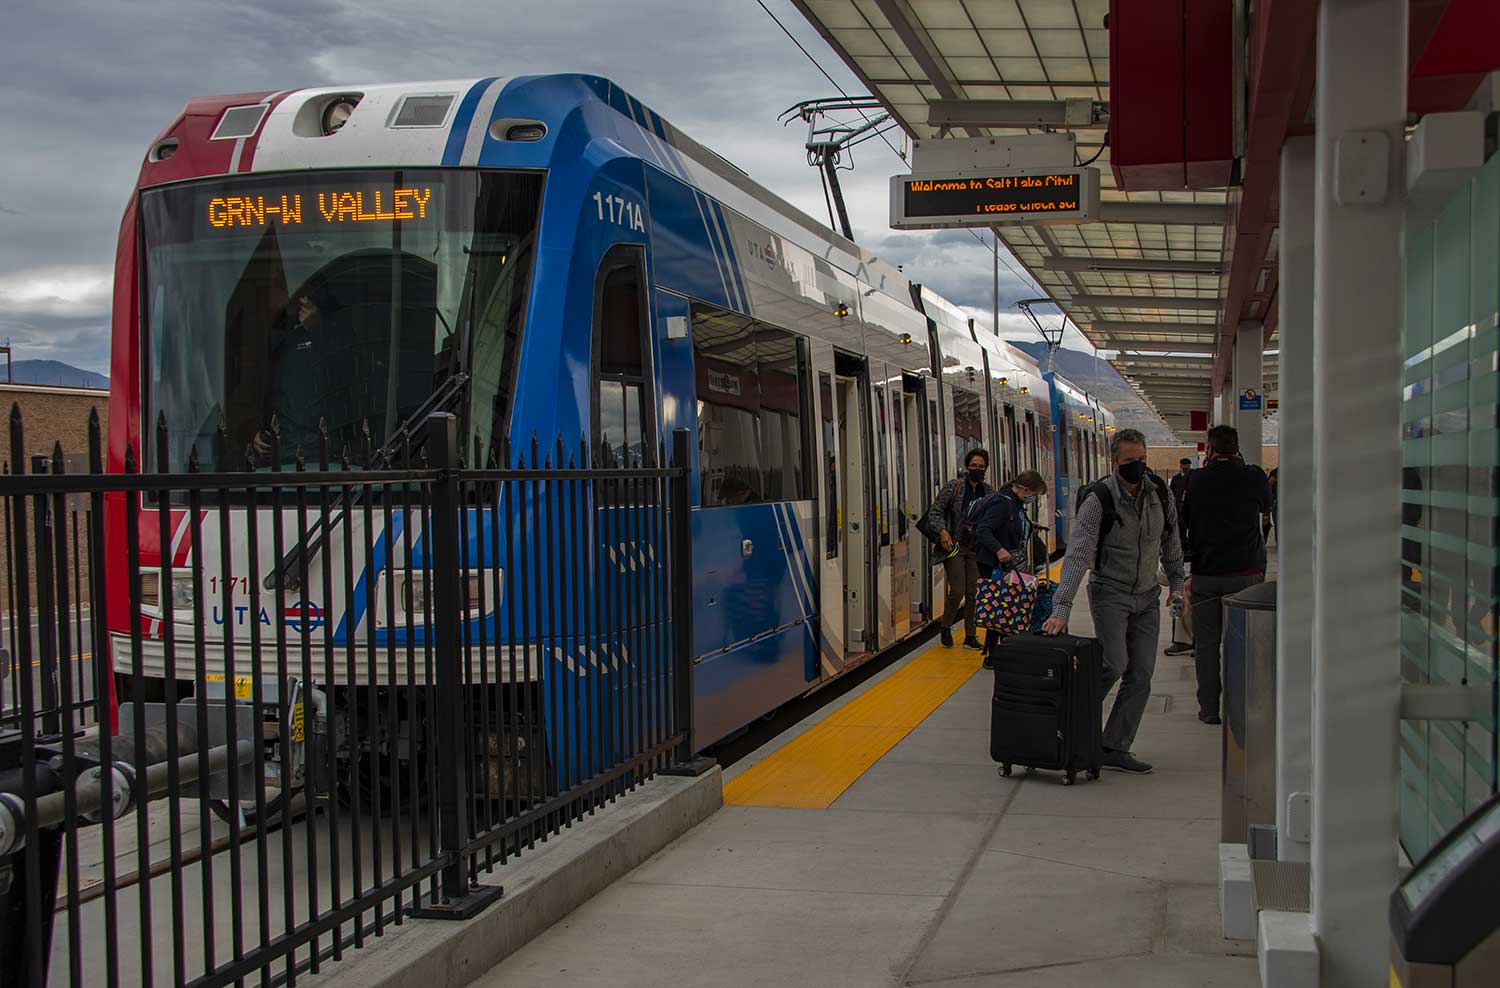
771	14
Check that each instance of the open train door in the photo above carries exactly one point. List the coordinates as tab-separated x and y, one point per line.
919	427
853	463
829	510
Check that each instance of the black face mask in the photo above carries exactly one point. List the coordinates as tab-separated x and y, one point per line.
1133	471
976	474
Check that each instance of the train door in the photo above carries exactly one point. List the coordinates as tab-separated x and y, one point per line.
829	484
917	433
940	410
852	410
886	510
903	535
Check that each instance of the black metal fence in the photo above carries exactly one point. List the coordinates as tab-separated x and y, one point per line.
251	719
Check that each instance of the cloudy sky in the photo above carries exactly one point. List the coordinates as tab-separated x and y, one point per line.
89	83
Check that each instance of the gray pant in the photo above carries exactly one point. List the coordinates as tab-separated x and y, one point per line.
963	576
1208	632
1127	626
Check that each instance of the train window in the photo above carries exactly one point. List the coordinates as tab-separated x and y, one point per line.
779	367
621	414
832	513
967	431
750	410
351	325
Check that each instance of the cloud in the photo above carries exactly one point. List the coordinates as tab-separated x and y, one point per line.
56	291
722	72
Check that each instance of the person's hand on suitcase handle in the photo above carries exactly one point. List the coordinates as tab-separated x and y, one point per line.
1055	625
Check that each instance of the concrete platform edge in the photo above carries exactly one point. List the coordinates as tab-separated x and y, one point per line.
541	888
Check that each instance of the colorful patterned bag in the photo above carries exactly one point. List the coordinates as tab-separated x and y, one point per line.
1005	605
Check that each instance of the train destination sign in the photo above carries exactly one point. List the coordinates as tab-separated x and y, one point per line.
1033	195
333	206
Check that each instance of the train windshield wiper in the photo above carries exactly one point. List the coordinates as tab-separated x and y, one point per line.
286	572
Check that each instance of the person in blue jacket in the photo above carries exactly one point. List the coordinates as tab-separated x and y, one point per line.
1002	529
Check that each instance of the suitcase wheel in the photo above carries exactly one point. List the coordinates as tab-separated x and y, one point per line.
1070	777
1093	773
1005	769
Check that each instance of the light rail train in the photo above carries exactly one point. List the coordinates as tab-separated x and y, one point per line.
579	267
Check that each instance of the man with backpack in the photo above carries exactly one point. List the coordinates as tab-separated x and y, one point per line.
1222	517
1124	527
941	525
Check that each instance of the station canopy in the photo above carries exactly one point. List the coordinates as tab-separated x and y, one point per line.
1142	280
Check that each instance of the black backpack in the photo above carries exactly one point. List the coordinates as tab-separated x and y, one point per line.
968	526
1107	513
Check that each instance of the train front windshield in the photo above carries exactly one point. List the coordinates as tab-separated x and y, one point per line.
341	298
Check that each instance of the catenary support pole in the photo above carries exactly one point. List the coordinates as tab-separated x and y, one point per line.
1295	594
1360	113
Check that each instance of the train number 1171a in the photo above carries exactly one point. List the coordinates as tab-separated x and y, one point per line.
618	210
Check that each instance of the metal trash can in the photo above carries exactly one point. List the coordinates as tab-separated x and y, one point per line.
1248	807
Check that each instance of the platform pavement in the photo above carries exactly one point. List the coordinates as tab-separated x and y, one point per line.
930	869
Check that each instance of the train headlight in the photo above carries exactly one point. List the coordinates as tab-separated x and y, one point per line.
182	592
182	589
415	590
337	113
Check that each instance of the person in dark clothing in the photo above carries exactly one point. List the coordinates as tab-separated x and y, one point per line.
1223	508
1001	530
1268	523
940	525
1178	485
1002	527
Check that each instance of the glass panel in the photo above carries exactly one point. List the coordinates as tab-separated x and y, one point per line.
1449	515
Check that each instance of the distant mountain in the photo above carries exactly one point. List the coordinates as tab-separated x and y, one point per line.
1099	377
56	373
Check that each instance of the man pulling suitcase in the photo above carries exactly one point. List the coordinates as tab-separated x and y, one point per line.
1125	527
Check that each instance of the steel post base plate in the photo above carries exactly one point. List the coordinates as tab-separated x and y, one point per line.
480	898
691	768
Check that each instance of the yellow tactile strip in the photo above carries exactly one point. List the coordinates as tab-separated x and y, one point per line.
814	768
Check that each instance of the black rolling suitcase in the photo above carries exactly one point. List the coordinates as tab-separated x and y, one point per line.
1045	712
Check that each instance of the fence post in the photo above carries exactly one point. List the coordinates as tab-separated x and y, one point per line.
686	760
456	898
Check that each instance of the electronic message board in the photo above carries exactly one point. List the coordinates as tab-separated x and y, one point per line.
1034	195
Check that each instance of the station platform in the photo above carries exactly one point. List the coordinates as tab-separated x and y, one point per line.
876	844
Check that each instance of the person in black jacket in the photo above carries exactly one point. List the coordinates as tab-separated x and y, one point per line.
1001	529
940	524
1221	515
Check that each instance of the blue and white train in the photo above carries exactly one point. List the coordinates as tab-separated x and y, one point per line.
610	276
